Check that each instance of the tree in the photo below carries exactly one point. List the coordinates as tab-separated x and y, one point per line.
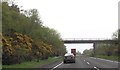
115	35
25	34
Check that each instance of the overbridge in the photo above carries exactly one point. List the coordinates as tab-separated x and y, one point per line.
88	40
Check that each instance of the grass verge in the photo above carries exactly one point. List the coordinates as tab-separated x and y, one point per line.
33	64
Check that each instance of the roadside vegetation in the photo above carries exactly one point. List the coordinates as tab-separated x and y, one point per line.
33	64
106	51
25	39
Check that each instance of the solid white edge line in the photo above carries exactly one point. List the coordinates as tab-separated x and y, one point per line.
57	66
105	60
96	68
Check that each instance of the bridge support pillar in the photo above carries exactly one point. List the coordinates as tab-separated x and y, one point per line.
94	51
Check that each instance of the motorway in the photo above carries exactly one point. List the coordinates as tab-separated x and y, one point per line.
88	63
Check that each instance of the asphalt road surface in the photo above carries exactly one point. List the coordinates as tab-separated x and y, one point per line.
88	63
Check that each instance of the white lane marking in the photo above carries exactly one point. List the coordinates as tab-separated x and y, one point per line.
57	66
96	68
108	60
88	63
105	60
93	57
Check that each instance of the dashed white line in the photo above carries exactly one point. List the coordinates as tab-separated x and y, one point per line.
96	68
88	63
57	66
93	57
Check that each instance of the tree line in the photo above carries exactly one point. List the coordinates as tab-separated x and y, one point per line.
25	38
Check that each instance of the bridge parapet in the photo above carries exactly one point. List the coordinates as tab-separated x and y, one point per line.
89	40
86	39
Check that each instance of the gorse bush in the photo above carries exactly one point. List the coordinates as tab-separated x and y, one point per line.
16	48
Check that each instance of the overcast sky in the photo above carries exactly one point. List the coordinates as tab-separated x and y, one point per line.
77	18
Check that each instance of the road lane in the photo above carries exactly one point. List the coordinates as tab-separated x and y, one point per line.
90	62
84	62
102	63
80	63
